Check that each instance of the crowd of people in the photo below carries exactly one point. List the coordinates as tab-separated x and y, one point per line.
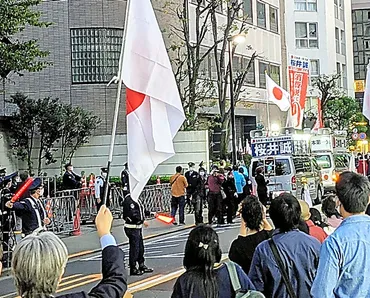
296	254
222	190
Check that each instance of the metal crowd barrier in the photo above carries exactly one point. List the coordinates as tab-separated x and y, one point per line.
156	198
62	212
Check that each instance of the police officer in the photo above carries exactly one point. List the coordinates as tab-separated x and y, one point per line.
192	177
125	179
31	209
70	179
100	185
133	214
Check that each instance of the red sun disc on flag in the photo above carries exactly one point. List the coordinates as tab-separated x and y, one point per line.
278	94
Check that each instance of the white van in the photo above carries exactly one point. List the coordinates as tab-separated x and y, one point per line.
331	165
286	173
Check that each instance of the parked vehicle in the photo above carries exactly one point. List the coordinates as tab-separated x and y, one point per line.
290	173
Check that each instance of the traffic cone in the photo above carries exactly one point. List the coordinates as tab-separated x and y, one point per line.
77	223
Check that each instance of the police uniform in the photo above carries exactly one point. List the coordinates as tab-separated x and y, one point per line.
100	185
192	177
71	180
125	180
31	210
133	214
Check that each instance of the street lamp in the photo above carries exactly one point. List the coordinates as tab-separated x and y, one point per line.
233	40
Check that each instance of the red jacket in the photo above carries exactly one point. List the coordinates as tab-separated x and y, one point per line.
316	231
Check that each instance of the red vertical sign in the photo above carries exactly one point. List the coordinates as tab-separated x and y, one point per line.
298	82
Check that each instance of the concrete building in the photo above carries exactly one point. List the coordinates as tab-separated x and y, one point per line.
322	32
361	43
263	36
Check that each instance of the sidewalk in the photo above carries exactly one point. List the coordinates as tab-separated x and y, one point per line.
88	241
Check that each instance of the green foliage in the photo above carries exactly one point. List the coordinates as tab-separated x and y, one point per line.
76	130
17	55
52	122
341	112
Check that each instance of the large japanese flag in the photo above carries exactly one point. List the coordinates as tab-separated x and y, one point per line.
366	106
277	95
154	110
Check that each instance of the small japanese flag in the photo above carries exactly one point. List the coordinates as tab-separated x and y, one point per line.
277	95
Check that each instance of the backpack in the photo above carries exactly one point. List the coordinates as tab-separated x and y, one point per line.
236	284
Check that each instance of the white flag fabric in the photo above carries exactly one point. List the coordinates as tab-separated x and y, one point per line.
154	109
277	95
366	105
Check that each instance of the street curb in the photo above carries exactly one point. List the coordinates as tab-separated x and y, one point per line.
73	257
89	252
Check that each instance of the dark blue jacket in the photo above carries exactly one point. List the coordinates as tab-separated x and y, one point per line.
114	282
32	212
300	254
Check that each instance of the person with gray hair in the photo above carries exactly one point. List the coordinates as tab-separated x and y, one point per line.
39	261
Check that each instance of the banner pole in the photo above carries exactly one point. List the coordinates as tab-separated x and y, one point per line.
118	80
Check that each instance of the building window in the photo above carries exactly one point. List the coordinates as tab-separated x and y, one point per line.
340	73
240	64
341	10
342	42
314	69
305	5
263	68
248	11
337	42
306	35
336	13
274	26
275	73
344	75
95	54
261	14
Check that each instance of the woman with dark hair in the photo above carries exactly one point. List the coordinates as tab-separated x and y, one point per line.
231	195
203	278
261	186
329	208
253	230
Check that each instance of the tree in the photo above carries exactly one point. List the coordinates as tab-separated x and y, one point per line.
234	25
328	87
78	126
23	128
18	55
341	112
190	58
192	55
49	121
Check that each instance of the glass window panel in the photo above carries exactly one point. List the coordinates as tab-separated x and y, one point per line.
274	20
300	30
248	10
261	14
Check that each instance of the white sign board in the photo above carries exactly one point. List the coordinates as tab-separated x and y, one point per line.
321	143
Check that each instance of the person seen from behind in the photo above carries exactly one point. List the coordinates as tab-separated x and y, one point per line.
298	251
344	266
231	195
178	190
329	208
214	183
239	183
254	229
262	183
314	231
39	263
205	277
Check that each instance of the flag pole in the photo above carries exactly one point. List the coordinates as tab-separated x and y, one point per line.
118	80
268	108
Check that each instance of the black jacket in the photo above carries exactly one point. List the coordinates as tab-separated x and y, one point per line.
261	184
229	187
114	282
193	178
133	212
125	180
71	181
